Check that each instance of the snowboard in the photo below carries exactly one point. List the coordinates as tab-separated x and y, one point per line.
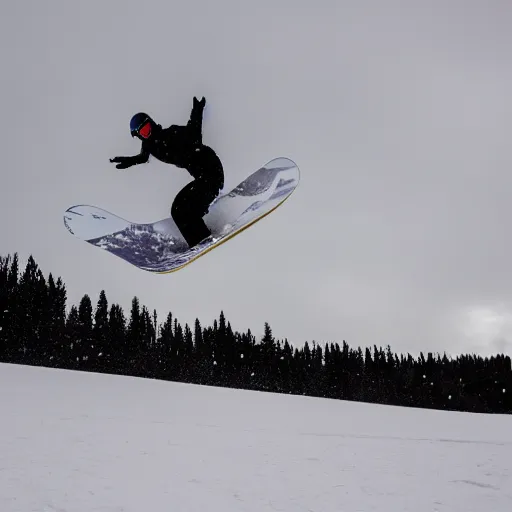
159	247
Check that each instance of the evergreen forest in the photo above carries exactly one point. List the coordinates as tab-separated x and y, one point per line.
39	327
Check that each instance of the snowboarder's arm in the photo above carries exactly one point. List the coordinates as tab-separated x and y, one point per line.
123	162
195	123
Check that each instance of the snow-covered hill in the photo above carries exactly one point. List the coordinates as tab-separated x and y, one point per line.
76	442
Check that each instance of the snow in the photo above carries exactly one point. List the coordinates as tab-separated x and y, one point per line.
79	442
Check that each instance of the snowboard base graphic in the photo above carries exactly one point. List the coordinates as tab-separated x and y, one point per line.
159	246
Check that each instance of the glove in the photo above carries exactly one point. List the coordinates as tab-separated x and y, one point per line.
199	103
123	162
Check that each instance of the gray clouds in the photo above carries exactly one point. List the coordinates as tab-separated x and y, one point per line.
398	116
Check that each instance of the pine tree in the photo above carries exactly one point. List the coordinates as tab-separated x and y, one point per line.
85	342
178	345
101	334
9	308
57	297
27	321
42	320
134	336
166	342
198	339
71	354
115	357
145	362
266	364
188	355
4	300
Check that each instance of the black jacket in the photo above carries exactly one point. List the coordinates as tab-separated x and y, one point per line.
181	146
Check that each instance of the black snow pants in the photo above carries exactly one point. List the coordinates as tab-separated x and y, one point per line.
192	202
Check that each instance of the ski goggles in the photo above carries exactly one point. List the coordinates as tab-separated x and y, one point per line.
144	129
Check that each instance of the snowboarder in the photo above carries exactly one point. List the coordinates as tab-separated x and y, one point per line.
183	147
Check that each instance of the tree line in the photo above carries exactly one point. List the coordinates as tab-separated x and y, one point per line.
38	328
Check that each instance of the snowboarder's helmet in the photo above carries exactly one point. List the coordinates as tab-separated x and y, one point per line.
141	125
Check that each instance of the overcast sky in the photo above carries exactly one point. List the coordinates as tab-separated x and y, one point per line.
399	115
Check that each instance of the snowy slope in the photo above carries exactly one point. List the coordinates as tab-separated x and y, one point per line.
75	442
